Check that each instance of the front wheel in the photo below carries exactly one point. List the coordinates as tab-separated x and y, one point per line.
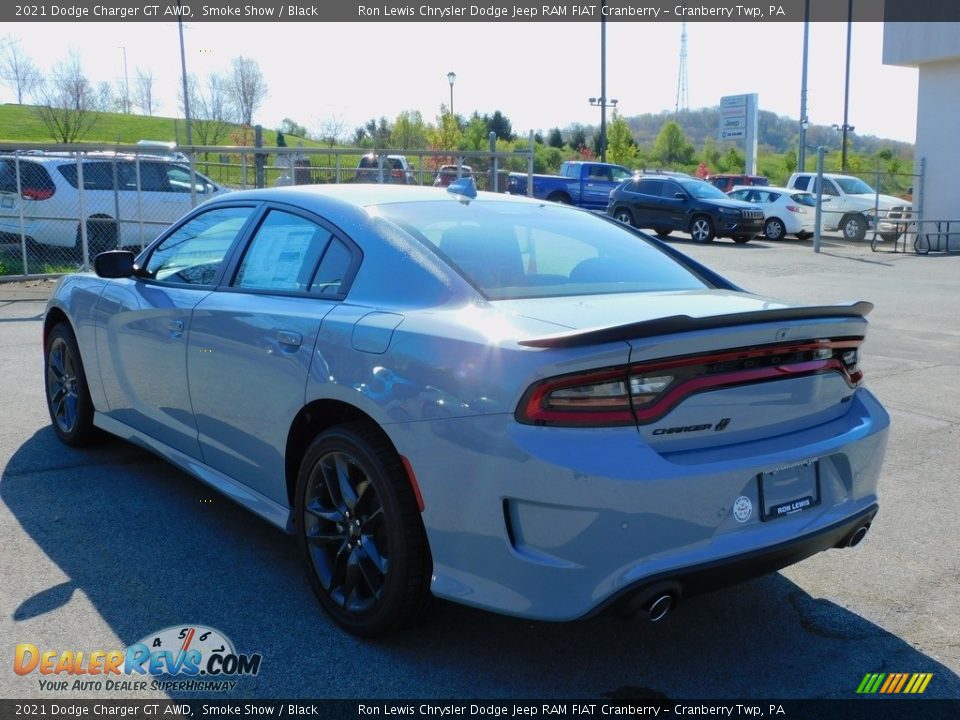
360	532
68	397
701	229
854	227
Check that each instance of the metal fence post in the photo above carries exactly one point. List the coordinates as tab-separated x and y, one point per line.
258	158
819	214
494	165
84	241
23	226
337	171
136	168
530	166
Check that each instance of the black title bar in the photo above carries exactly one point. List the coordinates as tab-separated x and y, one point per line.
752	11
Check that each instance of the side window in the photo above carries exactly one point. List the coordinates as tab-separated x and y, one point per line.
669	190
649	187
332	273
739	194
96	175
153	177
802	182
829	188
179	180
282	254
194	252
600	173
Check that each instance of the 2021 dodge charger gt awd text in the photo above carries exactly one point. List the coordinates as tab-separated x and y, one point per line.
500	401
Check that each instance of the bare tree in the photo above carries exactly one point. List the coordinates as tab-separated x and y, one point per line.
247	88
67	102
210	109
332	129
106	99
17	70
143	98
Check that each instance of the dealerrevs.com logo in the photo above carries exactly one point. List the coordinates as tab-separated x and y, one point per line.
178	658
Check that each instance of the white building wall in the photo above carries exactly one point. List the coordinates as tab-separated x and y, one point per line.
938	138
934	48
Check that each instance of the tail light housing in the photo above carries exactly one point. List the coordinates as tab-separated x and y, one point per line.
644	392
36	193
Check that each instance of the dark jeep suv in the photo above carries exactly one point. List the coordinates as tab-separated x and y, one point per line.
689	205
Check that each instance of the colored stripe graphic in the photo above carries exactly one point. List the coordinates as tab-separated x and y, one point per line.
893	683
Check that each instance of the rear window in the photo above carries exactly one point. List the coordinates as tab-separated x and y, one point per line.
513	250
32	176
804	199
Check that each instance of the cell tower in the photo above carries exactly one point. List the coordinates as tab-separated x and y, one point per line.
683	102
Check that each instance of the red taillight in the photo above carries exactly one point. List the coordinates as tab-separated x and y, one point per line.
645	392
796	209
31	193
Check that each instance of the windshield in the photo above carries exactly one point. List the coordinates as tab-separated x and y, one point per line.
854	186
701	190
516	250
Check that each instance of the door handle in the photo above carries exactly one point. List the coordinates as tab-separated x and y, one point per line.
289	339
176	328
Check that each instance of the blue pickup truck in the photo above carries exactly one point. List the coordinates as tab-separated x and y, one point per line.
585	184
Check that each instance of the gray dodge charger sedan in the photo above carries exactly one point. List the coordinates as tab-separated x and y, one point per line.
503	402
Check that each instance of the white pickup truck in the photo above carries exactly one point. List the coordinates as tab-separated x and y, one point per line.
851	206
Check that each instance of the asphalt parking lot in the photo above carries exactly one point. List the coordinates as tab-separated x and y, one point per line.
102	547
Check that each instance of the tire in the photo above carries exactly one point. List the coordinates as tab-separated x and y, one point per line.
742	239
662	232
623	215
561	198
890	236
701	229
804	235
854	227
68	396
774	229
360	534
101	236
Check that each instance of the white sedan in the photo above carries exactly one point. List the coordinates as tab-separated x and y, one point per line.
785	212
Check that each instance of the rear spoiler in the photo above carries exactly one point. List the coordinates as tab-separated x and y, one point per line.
685	323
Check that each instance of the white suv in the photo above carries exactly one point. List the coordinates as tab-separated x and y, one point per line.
116	214
850	205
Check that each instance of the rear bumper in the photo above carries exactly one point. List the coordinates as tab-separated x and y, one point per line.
557	523
709	576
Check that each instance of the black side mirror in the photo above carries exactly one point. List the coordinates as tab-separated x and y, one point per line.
680	196
114	264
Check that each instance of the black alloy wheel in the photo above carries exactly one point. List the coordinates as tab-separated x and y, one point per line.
360	532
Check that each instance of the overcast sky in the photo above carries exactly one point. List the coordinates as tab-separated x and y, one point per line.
539	74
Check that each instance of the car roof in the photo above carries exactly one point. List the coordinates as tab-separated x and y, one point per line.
774	188
364	194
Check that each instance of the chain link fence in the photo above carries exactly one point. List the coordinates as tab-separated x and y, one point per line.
60	205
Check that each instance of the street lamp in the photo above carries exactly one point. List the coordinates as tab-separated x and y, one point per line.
451	78
844	129
601	102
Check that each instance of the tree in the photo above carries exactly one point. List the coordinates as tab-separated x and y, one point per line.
475	134
621	147
67	102
210	109
555	138
281	140
247	88
17	71
332	129
501	125
672	147
578	138
290	127
790	161
360	136
379	133
143	97
445	135
409	131
107	100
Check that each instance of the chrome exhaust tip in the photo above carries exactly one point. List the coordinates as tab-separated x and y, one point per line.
659	607
859	534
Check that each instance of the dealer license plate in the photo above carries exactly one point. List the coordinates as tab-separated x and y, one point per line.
789	490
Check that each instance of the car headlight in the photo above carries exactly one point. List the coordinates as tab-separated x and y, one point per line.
729	212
